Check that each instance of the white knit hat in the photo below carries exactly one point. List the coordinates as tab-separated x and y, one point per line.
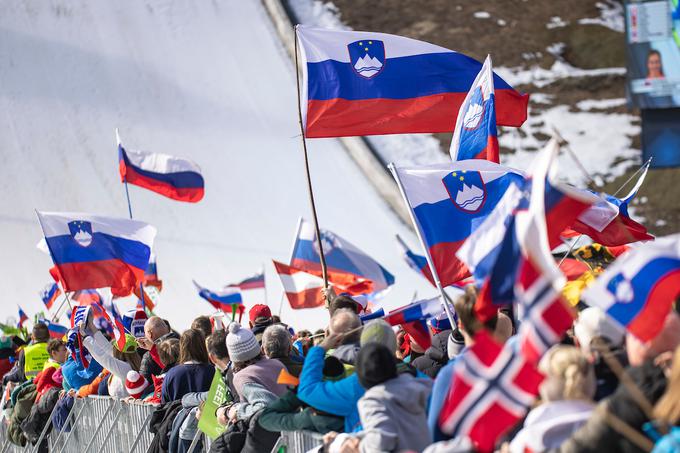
593	322
135	384
241	343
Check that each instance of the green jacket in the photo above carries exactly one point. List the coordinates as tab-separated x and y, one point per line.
23	403
288	413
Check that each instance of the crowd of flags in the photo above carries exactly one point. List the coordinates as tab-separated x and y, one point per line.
478	222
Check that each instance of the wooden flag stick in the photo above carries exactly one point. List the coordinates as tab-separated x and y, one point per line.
322	258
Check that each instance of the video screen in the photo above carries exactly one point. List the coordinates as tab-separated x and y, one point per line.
653	52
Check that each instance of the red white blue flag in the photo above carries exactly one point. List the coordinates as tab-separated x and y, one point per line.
416	262
348	266
22	318
255	281
50	294
475	135
92	251
302	289
413	318
449	202
364	83
222	299
608	222
173	177
492	387
638	289
57	331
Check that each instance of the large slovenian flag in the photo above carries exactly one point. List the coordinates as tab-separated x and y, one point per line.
346	263
255	281
173	177
638	289
449	202
222	299
50	294
416	262
364	83
92	251
608	222
302	289
475	135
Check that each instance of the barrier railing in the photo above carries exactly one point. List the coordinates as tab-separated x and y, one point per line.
102	425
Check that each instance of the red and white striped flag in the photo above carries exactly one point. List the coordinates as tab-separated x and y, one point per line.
303	290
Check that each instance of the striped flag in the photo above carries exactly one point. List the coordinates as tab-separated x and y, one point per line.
222	299
253	282
22	318
302	289
50	294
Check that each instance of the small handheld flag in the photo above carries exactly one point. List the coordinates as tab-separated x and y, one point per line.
22	318
222	299
92	251
416	262
638	289
475	135
50	294
57	331
173	177
253	282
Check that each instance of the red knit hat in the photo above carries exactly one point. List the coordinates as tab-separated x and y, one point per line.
135	384
259	311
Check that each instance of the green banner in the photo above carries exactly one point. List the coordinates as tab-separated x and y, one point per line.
217	395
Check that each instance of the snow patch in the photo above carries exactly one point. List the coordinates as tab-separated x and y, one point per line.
482	15
600	104
556	22
611	16
541	77
501	23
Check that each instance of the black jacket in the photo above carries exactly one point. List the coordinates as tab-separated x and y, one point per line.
435	357
149	366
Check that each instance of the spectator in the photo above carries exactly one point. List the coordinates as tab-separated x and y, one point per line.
255	376
203	325
566	401
667	410
32	358
156	330
260	317
345	325
74	372
168	352
216	344
194	373
319	336
276	344
57	352
344	302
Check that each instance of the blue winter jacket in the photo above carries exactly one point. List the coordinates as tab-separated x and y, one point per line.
76	375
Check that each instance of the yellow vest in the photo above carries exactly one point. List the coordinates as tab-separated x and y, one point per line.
51	363
35	357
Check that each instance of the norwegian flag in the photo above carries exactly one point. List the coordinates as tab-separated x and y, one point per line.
492	387
545	316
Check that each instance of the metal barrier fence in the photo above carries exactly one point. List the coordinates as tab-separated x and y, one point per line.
105	425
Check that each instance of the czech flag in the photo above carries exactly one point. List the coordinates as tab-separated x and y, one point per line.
364	83
302	289
608	223
476	136
50	294
97	252
416	262
348	267
222	299
449	202
173	177
22	318
253	282
638	290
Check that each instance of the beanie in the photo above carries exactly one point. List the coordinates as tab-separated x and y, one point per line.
135	384
375	364
593	322
241	343
379	331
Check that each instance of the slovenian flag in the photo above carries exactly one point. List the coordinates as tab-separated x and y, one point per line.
349	268
608	222
57	331
475	135
151	274
253	282
302	289
222	299
22	318
364	83
50	294
416	262
449	202
173	177
92	251
413	318
638	289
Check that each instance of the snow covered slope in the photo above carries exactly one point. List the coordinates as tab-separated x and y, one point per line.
204	80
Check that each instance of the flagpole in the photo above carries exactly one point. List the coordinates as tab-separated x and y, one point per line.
264	278
322	259
435	275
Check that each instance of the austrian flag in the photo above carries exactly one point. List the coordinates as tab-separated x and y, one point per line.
303	290
491	389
